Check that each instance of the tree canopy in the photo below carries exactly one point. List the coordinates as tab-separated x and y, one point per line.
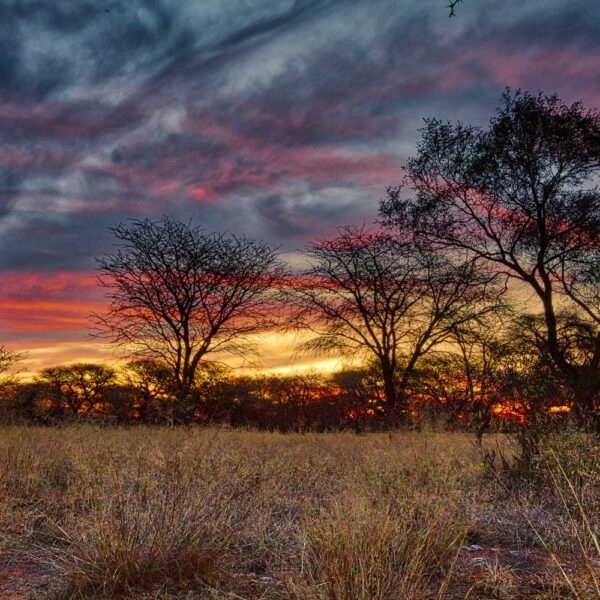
177	293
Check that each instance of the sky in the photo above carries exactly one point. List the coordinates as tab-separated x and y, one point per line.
279	119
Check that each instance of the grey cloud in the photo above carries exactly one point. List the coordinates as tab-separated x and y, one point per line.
281	118
280	214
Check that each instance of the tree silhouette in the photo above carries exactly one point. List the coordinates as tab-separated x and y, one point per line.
178	293
76	389
8	360
151	384
520	196
378	295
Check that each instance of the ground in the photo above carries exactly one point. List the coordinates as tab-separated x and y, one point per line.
92	512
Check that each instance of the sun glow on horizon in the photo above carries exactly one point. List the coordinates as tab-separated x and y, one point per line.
276	355
327	366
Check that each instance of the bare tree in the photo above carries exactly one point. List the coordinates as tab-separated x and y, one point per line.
295	396
578	330
178	293
466	375
373	294
520	196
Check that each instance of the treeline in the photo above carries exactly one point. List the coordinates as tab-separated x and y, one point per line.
142	391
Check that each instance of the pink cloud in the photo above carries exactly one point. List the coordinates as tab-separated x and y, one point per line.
53	302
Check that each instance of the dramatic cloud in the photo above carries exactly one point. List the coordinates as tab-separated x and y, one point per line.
280	119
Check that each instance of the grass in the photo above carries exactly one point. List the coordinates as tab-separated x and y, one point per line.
365	552
201	513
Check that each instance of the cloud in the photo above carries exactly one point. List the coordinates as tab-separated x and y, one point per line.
276	118
40	306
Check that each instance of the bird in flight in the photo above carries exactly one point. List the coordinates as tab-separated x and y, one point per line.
452	6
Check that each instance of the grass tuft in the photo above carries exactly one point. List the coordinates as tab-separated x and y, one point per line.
360	552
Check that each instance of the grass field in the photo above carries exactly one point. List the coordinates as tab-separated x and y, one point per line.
88	512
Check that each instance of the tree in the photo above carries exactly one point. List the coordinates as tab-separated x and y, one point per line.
77	389
214	392
8	361
482	348
468	377
358	396
528	387
381	296
151	383
294	398
178	293
520	196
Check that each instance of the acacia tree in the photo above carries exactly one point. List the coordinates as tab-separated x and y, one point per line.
378	295
521	197
77	389
178	293
294	398
357	395
579	332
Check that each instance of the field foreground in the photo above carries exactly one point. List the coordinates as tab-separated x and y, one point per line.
180	514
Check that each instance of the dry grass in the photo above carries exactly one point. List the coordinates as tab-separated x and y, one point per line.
361	552
157	513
